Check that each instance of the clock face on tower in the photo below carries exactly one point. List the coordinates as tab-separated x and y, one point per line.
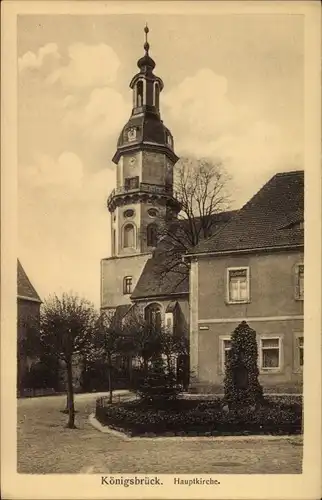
131	134
132	160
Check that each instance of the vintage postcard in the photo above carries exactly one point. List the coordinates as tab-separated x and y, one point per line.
161	250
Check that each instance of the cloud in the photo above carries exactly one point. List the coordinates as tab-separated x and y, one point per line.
202	104
32	60
63	214
208	123
64	174
99	116
88	66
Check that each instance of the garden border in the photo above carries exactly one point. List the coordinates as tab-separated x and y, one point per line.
105	429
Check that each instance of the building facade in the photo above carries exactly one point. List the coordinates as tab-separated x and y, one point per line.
28	317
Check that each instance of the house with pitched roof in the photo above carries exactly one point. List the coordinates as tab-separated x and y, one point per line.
28	317
252	270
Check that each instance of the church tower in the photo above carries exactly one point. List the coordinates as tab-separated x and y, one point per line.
143	198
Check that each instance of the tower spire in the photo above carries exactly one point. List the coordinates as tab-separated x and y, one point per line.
146	44
146	63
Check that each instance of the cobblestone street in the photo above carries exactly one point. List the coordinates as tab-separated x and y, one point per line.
45	446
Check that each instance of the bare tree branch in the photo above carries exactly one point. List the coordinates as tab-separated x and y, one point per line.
200	185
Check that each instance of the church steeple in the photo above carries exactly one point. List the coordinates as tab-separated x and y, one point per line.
145	125
145	159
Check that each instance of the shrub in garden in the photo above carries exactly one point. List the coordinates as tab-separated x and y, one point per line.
156	384
241	384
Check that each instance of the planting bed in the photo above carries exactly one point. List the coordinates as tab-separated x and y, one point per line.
186	417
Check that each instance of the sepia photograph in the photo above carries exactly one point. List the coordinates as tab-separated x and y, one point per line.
161	169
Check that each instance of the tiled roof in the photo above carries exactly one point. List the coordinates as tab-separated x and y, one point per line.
152	284
153	281
24	287
267	220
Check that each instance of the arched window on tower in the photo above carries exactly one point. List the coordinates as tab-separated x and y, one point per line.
152	315
129	236
139	94
152	235
156	95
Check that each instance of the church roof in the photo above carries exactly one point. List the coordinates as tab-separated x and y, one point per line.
150	131
270	219
151	284
25	289
154	282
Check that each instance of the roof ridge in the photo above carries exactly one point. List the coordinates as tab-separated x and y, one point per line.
290	172
257	220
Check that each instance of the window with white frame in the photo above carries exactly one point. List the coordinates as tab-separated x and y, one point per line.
299	282
169	321
238	284
127	285
135	362
270	354
226	347
300	351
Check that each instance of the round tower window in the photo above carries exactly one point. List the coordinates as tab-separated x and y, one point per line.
152	212
128	213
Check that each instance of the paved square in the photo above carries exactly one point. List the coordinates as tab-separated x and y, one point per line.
45	446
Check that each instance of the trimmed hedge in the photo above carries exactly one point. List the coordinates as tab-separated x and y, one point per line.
186	417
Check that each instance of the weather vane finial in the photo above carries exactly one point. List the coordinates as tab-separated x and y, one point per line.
146	45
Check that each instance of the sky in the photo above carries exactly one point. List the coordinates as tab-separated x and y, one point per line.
233	90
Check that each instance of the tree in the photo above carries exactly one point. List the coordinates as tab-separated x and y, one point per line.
107	346
157	350
242	388
67	325
28	348
200	186
142	338
173	346
42	366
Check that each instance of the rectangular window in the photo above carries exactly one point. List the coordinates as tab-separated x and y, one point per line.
299	285
225	346
131	183
136	362
238	285
127	285
270	353
169	321
300	347
226	351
